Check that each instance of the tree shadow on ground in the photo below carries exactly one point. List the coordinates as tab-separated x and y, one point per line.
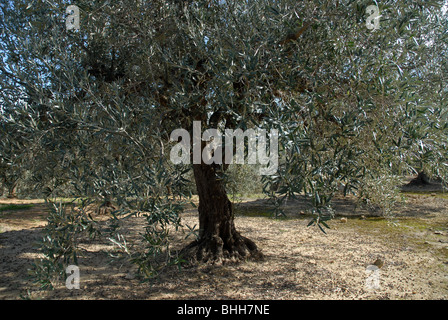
17	253
104	278
343	207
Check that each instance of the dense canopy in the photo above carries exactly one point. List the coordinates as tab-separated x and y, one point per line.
90	110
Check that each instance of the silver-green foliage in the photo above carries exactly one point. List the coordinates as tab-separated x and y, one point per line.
95	107
59	246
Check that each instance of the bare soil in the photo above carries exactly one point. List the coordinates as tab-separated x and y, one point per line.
300	262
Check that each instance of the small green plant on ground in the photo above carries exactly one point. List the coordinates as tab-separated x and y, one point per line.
59	245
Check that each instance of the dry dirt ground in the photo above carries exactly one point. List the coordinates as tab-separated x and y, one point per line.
300	262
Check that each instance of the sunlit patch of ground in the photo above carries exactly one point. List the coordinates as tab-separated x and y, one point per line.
300	262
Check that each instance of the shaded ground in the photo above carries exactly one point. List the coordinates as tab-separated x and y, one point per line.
301	262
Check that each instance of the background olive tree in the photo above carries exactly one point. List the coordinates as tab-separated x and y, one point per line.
96	106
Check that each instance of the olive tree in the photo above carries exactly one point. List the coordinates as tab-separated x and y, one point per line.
355	92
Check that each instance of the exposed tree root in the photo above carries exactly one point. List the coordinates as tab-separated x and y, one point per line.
218	242
213	250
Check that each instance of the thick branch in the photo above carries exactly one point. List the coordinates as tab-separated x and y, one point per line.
294	36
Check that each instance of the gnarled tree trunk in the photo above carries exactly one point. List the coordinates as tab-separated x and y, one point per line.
12	190
218	239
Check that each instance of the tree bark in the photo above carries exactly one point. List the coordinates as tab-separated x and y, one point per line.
12	190
218	240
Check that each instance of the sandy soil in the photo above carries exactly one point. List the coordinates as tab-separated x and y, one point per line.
300	262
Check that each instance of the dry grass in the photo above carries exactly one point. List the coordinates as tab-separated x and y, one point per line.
301	262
